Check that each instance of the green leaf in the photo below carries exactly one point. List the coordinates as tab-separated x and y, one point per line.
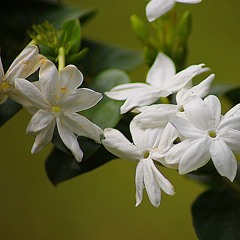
107	112
7	110
103	56
61	166
216	215
70	37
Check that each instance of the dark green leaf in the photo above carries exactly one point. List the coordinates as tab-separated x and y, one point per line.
107	112
216	215
61	166
103	56
7	110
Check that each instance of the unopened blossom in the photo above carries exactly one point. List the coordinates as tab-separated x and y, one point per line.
206	135
58	99
161	81
157	115
156	8
27	62
145	142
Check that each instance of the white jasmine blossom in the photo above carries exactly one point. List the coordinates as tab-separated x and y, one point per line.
156	8
157	115
57	99
161	81
145	142
23	66
207	134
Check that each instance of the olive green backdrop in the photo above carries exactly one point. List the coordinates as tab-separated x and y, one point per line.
100	204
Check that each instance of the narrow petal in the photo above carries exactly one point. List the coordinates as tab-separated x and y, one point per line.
189	1
213	106
48	78
143	97
31	92
232	138
70	140
118	145
139	183
1	71
156	8
81	126
183	77
186	128
151	185
43	138
25	64
80	99
196	156
70	78
40	120
223	159
163	183
162	71
152	137
198	113
124	91
137	134
201	90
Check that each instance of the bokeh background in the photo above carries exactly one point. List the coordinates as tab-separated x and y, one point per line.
100	204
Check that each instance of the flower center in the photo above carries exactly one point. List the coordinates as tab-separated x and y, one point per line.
5	87
212	134
181	109
146	154
63	89
56	109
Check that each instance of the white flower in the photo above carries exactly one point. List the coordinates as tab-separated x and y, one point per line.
156	8
161	82
23	66
145	142
207	134
158	114
58	99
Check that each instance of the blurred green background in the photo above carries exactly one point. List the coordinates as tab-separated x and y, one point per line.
100	204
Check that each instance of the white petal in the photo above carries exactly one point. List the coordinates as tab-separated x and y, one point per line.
80	99
139	183
124	91
118	145
196	156
223	159
48	78
25	64
231	119
156	8
213	106
232	138
201	90
151	185
198	113
81	126
152	137
70	78
137	134
1	71
31	92
182	78
163	183
189	1
162	71
70	140
185	128
40	120
43	138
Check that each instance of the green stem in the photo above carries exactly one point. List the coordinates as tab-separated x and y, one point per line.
61	58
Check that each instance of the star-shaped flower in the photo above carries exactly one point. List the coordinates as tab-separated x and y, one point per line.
161	81
58	99
23	66
145	142
207	134
156	8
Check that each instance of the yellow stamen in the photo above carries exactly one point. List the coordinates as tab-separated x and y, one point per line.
212	133
4	86
56	109
146	154
63	89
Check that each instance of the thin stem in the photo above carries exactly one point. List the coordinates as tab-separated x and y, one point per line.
61	58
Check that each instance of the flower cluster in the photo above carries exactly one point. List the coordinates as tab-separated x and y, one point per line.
183	135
